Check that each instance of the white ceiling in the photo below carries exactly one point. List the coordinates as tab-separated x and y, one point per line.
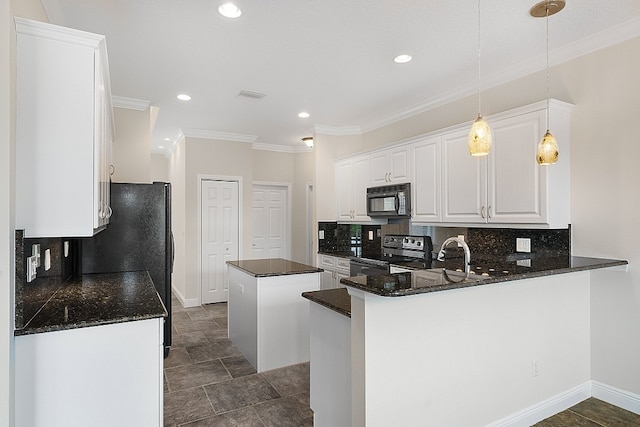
332	58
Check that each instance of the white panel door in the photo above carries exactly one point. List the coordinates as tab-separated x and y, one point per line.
219	237
270	222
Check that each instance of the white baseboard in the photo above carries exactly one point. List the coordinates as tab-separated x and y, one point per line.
558	403
621	398
548	407
186	303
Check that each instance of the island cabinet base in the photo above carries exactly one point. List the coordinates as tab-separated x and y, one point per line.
107	375
330	368
269	319
470	356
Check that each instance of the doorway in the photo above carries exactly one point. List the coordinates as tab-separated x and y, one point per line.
271	221
219	231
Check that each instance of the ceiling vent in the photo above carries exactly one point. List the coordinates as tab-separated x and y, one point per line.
251	94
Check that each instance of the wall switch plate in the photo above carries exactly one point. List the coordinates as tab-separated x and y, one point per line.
370	234
66	248
461	237
321	235
47	259
31	268
523	245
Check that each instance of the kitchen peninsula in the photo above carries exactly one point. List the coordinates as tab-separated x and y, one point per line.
507	349
268	320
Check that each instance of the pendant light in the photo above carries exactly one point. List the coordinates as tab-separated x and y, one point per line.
479	140
547	153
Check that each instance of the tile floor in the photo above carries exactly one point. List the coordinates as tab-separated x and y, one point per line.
592	413
207	382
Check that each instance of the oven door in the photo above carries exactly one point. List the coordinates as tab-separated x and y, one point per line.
367	267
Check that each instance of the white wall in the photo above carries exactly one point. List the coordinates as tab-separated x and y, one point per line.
132	146
159	168
178	219
304	172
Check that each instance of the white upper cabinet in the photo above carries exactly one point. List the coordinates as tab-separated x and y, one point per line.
64	131
390	165
508	186
352	180
425	189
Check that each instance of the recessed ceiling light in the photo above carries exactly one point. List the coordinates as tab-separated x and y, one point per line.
303	115
184	97
167	139
229	10
161	146
402	59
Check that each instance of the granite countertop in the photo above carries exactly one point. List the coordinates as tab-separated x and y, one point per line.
273	267
92	300
505	269
337	300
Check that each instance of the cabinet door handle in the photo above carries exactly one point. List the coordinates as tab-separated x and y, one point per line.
489	212
109	211
112	170
482	212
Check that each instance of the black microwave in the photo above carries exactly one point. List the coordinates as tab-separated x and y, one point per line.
389	201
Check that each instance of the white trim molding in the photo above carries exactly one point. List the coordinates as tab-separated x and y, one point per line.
565	400
337	130
615	396
130	103
223	136
186	303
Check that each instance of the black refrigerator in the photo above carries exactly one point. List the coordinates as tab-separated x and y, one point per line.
138	237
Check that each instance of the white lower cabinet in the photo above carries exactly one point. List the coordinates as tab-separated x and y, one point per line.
335	269
108	375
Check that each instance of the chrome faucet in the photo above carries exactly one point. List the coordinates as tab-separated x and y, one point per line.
465	247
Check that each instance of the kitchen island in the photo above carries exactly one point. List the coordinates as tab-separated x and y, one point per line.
268	320
90	352
427	348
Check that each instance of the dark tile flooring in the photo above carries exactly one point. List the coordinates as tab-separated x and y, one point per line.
207	382
592	413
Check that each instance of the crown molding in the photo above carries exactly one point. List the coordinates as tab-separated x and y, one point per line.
337	130
224	136
56	32
281	148
130	103
584	46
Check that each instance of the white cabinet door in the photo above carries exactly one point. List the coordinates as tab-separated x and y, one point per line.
359	187
516	184
426	161
464	181
352	180
63	131
344	182
390	166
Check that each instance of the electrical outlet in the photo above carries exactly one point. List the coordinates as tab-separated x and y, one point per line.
35	251
47	259
66	248
461	237
370	234
523	244
321	235
535	369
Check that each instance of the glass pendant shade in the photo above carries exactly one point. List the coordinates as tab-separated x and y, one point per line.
547	150
479	137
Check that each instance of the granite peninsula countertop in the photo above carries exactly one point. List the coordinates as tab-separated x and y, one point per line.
505	269
92	300
337	300
273	267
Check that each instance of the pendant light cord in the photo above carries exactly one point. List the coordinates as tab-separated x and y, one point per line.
547	21
479	96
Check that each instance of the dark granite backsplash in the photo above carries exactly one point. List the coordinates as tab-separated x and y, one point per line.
349	239
502	241
47	282
353	239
